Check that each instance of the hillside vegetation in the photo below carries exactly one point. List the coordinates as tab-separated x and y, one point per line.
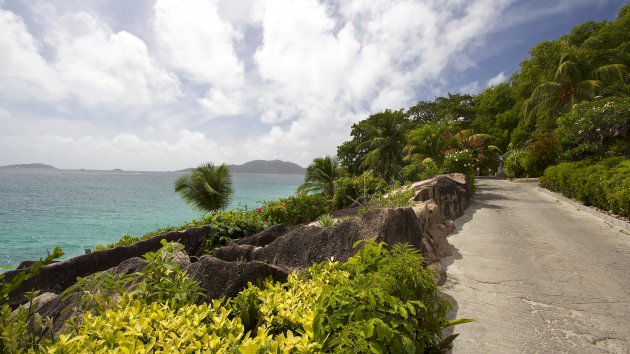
569	101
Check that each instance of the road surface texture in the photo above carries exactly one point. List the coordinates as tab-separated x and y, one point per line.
537	275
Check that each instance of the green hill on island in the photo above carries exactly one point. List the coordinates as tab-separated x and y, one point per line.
30	165
264	167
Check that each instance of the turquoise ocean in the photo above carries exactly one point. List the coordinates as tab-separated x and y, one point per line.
42	208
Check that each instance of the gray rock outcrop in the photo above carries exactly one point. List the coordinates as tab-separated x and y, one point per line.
308	244
222	278
58	276
451	193
425	225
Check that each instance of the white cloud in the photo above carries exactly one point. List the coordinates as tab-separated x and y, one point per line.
499	79
125	150
90	64
293	74
24	74
197	42
329	65
217	103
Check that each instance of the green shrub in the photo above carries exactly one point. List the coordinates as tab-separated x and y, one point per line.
326	220
411	172
128	240
295	210
125	240
605	184
16	335
164	281
231	224
514	163
356	189
431	169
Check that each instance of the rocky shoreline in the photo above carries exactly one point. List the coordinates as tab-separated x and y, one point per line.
275	252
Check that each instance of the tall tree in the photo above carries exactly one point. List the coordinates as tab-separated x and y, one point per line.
320	176
571	84
456	109
385	133
430	140
206	188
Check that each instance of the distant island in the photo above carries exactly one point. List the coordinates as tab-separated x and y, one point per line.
30	165
264	167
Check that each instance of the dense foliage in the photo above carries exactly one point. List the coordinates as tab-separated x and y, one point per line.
349	190
605	185
379	301
570	100
595	129
296	210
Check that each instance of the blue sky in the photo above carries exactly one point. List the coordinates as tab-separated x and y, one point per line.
168	84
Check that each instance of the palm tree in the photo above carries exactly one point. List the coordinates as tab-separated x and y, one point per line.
320	176
385	144
570	86
207	188
428	141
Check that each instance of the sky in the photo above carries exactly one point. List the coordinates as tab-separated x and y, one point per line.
163	85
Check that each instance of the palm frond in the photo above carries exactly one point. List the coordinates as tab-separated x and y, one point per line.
610	72
206	188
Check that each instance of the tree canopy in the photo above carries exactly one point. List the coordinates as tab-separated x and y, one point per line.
544	111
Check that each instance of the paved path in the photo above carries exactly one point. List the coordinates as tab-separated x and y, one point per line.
537	275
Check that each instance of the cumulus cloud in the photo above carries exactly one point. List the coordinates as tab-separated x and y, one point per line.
293	75
125	150
24	74
328	65
499	79
89	63
197	42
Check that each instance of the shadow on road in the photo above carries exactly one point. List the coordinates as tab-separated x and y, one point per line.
483	199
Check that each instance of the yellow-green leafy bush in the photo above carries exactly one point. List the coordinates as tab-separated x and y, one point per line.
379	301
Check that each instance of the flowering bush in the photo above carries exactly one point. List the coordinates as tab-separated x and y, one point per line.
593	128
463	161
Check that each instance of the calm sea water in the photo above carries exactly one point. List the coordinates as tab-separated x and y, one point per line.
41	209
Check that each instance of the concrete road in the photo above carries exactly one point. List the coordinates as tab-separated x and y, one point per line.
537	275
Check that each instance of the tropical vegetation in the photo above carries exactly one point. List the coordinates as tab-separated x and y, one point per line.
604	184
380	300
564	115
569	101
206	188
320	176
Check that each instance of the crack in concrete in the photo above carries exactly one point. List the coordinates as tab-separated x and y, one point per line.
599	340
488	282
